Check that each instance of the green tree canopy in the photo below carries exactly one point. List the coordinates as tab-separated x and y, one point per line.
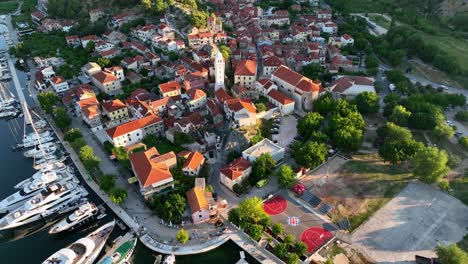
300	248
286	177
463	141
170	207
277	229
289	239
325	104
107	182
64	8
400	116
262	168
309	123
451	254
225	51
293	258
62	120
443	131
311	154
251	211
430	164
72	135
182	236
48	100
398	145
281	250
118	195
367	102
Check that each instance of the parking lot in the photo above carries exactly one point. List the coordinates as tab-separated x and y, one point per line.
413	223
287	131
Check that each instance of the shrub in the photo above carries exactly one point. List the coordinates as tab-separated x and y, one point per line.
118	195
444	185
277	229
182	236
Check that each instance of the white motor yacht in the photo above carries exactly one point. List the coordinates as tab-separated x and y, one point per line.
32	186
41	150
84	250
81	215
32	139
48	201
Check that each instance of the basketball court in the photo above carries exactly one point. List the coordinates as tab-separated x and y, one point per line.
299	222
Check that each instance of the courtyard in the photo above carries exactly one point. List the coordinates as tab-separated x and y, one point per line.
413	223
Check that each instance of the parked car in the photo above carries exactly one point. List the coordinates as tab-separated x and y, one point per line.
261	183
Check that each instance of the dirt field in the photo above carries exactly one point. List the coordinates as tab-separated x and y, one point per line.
414	222
360	188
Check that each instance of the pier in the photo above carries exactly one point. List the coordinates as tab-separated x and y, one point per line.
21	98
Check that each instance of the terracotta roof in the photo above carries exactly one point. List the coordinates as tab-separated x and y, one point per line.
184	154
237	104
113	105
133	125
91	111
87	102
213	107
140	94
58	80
197	200
280	97
105	77
147	169
295	79
272	61
196	94
222	95
235	169
169	87
247	67
347	82
194	161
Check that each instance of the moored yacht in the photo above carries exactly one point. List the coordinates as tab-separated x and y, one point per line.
81	215
48	201
49	173
41	150
121	254
32	139
33	186
84	250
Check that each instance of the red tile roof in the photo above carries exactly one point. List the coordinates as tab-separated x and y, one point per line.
221	95
197	200
280	97
236	168
295	79
58	80
194	161
133	125
169	87
237	104
105	77
148	170
213	107
346	82
91	111
87	102
247	67
113	105
272	61
196	94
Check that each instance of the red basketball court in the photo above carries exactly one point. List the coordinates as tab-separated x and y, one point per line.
315	237
275	206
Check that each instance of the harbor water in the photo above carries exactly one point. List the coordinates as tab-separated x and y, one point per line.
33	244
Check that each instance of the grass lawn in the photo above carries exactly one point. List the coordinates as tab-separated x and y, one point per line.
8	6
361	187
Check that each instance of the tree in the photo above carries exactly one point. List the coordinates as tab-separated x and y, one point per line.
262	167
398	145
293	258
261	107
313	71
462	116
107	182
62	120
451	254
160	7
324	104
48	100
430	164
289	239
225	51
103	62
233	155
251	210
255	231
86	153
281	250
463	141
443	131
286	177
367	102
277	229
234	216
72	135
400	116
173	56
311	154
171	207
77	144
300	248
146	4
348	138
64	8
118	195
182	236
309	123
198	19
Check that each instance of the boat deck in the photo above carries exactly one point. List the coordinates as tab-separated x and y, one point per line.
116	244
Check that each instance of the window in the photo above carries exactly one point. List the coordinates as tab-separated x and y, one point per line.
200	216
